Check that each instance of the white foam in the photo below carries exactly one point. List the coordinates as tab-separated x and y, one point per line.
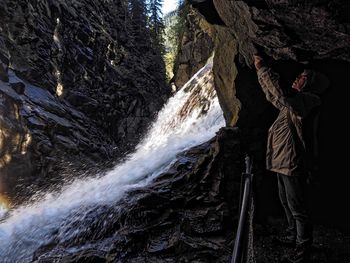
30	226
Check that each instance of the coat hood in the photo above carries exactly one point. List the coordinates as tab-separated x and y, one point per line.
317	82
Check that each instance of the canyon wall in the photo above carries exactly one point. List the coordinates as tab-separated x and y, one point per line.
77	88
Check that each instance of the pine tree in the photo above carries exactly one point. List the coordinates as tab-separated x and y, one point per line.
138	15
156	24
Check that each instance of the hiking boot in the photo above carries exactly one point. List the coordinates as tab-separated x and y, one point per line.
301	254
285	240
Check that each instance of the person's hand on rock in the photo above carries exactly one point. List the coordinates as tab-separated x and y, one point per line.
258	61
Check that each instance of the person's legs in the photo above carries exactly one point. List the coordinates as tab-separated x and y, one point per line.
296	198
291	230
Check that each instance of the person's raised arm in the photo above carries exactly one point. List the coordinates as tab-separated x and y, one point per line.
269	82
301	104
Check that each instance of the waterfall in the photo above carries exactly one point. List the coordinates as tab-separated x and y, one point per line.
190	117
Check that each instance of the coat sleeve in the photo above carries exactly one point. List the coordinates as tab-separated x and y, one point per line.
301	104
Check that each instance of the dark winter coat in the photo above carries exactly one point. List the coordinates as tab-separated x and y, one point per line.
285	146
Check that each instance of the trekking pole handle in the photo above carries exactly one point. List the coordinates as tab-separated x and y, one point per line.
248	164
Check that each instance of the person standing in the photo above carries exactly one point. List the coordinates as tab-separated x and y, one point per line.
286	151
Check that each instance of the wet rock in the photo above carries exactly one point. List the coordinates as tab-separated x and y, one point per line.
184	215
78	99
45	147
187	214
3	73
70	77
196	47
307	32
18	87
36	123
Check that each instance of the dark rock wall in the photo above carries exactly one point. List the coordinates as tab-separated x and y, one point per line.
95	88
44	139
196	46
187	214
226	73
333	187
289	33
13	138
296	30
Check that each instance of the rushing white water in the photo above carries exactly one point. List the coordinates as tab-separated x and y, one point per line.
179	125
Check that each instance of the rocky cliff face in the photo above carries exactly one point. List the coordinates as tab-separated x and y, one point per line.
74	84
196	46
292	33
187	214
190	212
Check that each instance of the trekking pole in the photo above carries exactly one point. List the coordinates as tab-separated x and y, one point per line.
239	251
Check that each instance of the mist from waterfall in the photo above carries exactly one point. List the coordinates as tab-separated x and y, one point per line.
191	117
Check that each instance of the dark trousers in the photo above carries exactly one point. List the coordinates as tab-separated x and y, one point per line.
293	198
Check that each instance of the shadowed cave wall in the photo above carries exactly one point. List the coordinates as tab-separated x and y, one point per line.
290	33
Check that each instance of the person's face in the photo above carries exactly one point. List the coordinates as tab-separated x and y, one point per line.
300	81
